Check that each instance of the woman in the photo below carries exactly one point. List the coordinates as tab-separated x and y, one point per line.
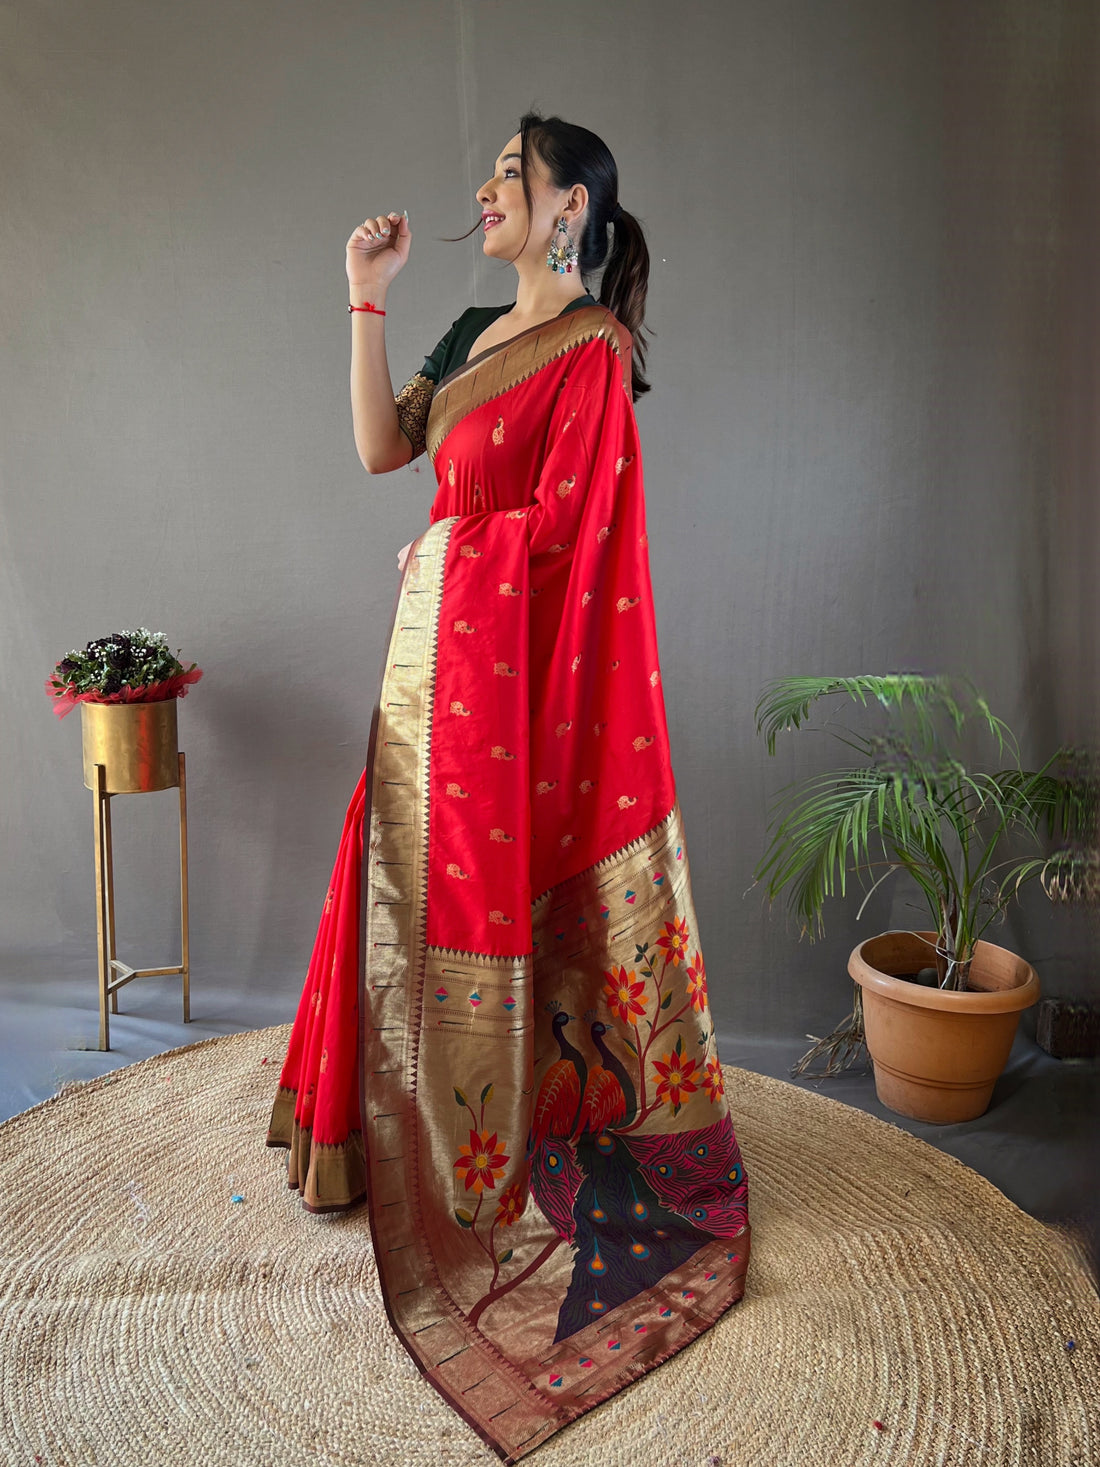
528	1093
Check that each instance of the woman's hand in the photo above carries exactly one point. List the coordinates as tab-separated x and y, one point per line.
377	250
403	554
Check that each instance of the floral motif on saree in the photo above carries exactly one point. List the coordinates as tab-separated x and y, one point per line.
504	1041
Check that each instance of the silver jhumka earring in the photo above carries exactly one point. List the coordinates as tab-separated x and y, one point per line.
562	254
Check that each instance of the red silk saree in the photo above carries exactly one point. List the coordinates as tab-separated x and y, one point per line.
504	1043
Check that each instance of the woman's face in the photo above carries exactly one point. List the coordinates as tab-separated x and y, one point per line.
504	209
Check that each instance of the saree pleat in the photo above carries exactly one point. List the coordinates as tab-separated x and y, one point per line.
504	1041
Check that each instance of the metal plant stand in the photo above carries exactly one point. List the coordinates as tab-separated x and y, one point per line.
129	749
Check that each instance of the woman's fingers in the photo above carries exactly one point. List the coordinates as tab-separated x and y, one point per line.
362	239
383	225
369	232
382	229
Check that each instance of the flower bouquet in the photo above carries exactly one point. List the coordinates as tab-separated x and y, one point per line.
124	667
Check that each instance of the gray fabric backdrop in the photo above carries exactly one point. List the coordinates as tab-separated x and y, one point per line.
871	442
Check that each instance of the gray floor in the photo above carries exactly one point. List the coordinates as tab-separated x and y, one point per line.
1038	1142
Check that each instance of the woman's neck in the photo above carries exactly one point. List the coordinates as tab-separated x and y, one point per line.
540	296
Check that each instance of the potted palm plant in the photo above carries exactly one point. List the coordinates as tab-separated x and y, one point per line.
937	1007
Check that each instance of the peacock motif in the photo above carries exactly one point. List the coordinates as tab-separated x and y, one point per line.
633	1202
555	1177
632	1207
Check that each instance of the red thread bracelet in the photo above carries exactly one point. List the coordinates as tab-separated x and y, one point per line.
366	306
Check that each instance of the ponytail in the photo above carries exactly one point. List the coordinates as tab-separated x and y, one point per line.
623	289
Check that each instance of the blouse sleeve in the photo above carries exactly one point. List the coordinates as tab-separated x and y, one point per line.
414	401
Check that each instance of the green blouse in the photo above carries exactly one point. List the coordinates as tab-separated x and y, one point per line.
415	398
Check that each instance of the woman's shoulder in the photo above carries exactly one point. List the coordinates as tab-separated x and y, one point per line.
597	321
590	325
473	319
453	346
476	318
584	320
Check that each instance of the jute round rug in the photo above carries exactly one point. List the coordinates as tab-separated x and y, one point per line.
899	1309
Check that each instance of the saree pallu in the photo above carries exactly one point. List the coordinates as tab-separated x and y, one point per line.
504	1042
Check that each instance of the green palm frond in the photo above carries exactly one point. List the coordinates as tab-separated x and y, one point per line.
847	822
785	703
1066	805
915	806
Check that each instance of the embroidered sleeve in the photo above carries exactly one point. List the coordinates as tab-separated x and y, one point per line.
413	403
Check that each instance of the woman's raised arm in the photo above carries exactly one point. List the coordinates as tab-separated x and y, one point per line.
376	251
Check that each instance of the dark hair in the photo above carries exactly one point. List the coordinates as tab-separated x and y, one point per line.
573	154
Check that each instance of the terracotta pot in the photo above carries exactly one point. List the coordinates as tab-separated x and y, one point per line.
137	742
937	1054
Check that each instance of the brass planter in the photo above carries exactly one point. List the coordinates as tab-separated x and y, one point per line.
137	743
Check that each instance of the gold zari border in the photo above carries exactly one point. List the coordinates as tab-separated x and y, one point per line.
330	1178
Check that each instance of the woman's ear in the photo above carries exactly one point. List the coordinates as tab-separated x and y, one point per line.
577	201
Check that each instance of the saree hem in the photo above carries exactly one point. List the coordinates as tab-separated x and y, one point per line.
331	1177
557	1415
